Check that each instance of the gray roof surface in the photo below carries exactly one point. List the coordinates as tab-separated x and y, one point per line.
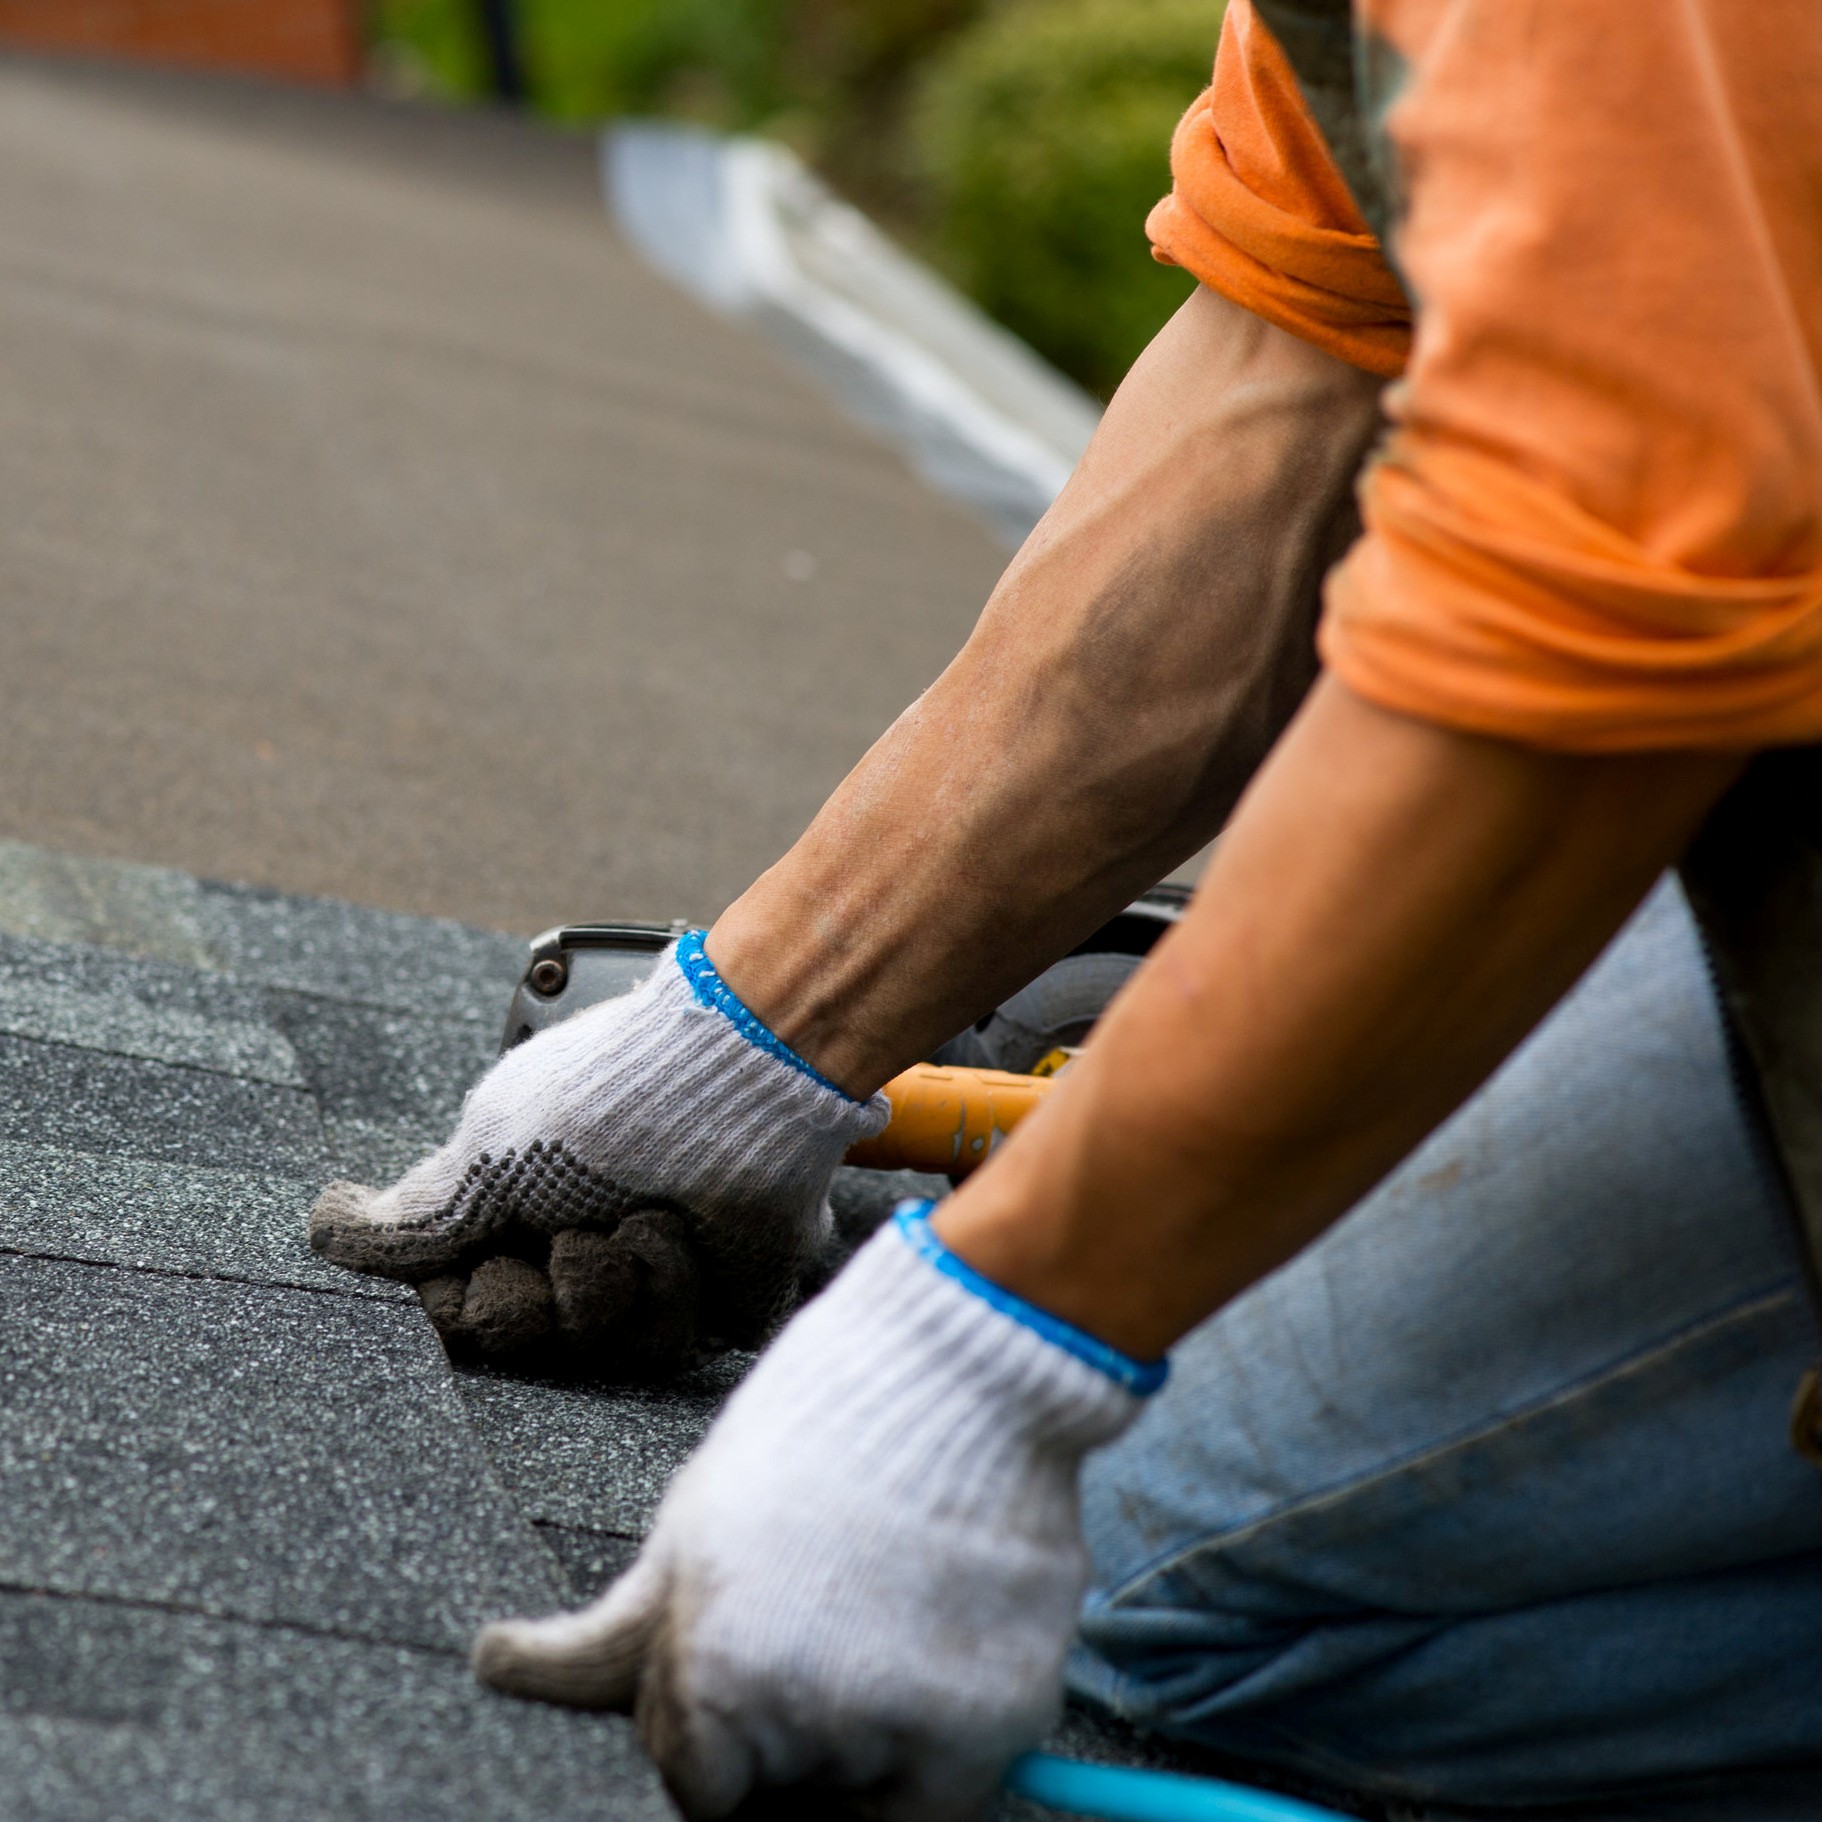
249	1518
378	525
249	1515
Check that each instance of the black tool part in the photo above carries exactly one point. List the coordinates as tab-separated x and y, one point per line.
579	965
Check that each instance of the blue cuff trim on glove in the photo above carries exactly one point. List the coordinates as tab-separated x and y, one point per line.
1139	1377
712	991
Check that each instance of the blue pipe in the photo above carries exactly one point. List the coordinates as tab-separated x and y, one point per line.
1119	1793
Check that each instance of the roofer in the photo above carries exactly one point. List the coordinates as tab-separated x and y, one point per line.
1486	1496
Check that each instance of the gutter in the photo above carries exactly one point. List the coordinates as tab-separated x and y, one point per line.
746	228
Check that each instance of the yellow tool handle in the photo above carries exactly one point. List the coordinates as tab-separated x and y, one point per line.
948	1120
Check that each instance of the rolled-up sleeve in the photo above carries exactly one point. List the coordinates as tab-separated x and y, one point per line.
1596	523
1259	212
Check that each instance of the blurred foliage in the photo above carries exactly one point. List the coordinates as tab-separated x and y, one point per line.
1046	134
426	47
1019	143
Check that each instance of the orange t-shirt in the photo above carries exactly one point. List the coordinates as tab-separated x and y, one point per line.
1596	524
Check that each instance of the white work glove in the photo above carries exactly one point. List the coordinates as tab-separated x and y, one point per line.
628	1190
868	1575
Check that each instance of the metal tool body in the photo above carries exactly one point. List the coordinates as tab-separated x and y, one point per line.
579	965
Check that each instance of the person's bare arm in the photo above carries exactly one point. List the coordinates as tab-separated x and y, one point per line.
1391	909
1392	906
1129	673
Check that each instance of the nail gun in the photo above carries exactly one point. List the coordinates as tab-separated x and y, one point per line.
949	1112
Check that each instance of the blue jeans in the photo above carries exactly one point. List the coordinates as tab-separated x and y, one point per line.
1487	1497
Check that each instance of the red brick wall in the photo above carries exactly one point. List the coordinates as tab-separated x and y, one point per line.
307	40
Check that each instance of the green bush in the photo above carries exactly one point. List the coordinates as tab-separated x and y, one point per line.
1019	142
428	44
745	65
719	61
1045	133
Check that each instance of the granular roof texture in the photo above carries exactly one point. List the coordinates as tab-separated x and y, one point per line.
250	1517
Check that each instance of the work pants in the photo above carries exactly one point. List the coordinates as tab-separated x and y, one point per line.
1488	1497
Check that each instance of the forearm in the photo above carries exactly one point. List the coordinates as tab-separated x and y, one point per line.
1392	908
1129	672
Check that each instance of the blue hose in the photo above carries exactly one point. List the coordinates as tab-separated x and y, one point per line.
1118	1793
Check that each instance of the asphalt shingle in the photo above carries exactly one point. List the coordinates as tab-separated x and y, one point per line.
179	1218
258	1454
422	965
96	1000
389	1084
591	1559
419	965
247	1525
594	1457
83	1099
134	1714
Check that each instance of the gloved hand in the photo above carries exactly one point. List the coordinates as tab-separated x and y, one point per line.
868	1575
635	1186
